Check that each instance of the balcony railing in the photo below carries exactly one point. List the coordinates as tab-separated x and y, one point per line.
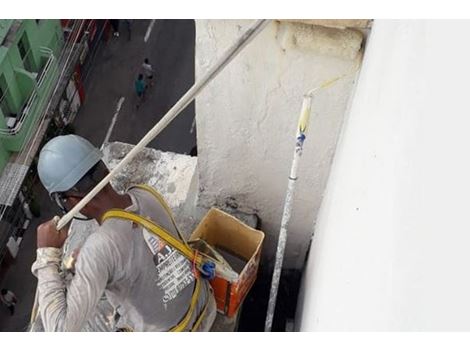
32	101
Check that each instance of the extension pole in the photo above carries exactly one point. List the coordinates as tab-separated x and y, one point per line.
184	101
281	245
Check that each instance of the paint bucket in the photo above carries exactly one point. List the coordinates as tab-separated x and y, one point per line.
240	245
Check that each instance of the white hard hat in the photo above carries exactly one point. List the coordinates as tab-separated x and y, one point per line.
64	160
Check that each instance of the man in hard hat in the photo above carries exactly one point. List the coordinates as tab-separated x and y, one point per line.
147	295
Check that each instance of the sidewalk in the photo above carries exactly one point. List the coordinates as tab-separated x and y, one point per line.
19	278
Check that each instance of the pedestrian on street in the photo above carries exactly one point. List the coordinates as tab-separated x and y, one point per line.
149	71
115	24
140	87
129	28
150	283
9	299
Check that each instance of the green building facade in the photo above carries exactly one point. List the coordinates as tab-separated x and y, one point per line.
29	51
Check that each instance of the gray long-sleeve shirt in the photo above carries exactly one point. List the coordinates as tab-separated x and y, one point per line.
150	293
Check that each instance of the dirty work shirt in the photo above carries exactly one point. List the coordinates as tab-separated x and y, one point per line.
149	294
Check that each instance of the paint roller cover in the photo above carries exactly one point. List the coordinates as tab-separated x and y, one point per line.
343	23
341	43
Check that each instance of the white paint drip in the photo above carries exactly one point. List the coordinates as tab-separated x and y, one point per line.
113	121
149	30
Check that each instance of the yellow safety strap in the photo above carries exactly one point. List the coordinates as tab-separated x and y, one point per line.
201	316
163	203
155	230
165	206
184	323
168	238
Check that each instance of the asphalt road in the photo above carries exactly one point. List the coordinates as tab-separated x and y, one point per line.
170	50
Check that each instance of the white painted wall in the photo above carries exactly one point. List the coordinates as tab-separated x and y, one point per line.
392	241
247	117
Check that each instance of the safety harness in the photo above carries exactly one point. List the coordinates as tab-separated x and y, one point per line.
202	266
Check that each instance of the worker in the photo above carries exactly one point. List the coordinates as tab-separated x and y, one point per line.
149	291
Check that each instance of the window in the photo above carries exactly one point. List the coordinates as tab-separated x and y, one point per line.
22	49
4	105
26	53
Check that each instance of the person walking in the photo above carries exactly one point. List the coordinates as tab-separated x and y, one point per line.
129	28
115	26
140	87
151	285
9	299
149	71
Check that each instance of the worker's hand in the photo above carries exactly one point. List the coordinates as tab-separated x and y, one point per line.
48	236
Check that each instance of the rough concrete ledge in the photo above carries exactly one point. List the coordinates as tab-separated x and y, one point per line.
168	172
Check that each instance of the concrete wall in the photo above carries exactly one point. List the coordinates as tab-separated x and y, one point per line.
247	119
391	246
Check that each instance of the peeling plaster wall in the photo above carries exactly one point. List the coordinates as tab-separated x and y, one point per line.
247	119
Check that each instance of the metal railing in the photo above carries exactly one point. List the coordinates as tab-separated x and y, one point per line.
33	98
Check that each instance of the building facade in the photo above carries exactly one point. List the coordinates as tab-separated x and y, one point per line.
28	72
43	68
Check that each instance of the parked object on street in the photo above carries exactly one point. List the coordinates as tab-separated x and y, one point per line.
149	281
8	299
13	246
